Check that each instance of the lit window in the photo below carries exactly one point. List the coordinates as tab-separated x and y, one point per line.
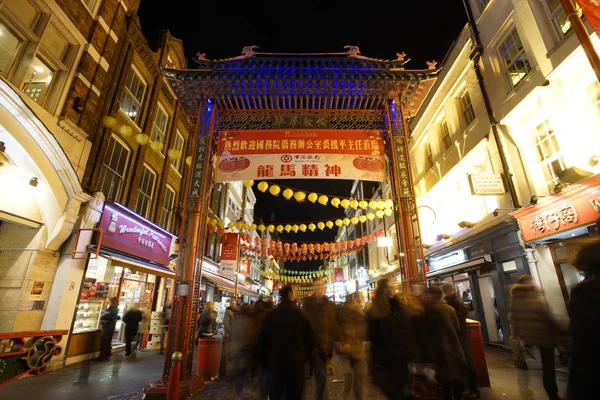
548	153
159	125
516	62
166	213
133	94
178	145
445	134
428	156
558	15
9	47
113	170
466	107
38	80
233	210
145	192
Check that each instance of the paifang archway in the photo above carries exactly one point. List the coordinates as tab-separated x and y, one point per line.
262	91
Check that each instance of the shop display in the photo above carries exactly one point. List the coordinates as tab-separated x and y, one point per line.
87	317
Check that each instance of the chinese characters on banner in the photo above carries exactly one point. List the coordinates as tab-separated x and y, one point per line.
229	253
198	167
591	11
403	173
300	153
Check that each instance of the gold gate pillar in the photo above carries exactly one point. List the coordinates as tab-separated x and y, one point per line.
403	193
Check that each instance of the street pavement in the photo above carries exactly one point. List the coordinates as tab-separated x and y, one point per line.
123	378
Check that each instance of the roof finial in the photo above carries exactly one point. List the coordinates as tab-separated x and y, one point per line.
248	51
201	56
400	56
431	64
353	51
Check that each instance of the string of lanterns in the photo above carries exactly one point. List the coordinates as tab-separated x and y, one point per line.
297	279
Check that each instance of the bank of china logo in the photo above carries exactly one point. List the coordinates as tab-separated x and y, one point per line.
286	158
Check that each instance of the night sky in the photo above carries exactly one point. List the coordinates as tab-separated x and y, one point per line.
425	31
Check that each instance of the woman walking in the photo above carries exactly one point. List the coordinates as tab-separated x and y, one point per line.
132	319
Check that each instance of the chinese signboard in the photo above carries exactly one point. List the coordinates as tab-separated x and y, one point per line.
304	121
245	267
129	233
486	184
402	168
229	253
300	153
198	166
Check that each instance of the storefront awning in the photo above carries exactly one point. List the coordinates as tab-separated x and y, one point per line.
462	267
227	285
139	265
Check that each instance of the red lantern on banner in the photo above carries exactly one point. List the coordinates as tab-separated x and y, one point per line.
286	248
220	231
304	248
257	241
311	248
318	247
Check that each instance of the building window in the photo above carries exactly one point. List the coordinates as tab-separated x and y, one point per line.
166	213
548	153
178	145
445	134
466	107
38	80
113	170
159	125
133	94
9	47
558	16
516	62
428	156
145	192
233	210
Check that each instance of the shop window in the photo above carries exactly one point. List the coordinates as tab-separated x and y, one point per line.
145	192
557	15
159	125
9	48
113	170
166	212
178	145
548	153
445	134
466	107
133	94
514	58
38	80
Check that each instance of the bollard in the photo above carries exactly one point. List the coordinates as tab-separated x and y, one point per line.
174	378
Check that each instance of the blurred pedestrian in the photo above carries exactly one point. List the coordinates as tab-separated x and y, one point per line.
457	304
322	314
390	336
206	322
108	319
165	327
285	344
445	342
585	327
352	334
533	325
243	335
229	318
132	319
261	308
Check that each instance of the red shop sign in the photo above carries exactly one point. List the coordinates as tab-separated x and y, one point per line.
129	233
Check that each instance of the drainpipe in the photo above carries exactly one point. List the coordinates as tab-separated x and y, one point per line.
476	57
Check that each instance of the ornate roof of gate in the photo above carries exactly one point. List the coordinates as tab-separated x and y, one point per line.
308	81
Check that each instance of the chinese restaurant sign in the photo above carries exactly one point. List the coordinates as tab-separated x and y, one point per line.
299	154
229	253
568	214
129	233
198	167
486	184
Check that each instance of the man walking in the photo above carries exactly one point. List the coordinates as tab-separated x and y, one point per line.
285	344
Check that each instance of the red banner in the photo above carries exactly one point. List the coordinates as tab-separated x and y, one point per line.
591	11
245	267
339	275
229	250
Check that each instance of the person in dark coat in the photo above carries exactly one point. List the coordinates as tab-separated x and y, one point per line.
132	319
206	322
285	344
391	340
165	327
455	302
108	319
351	340
261	308
532	324
447	349
585	327
243	337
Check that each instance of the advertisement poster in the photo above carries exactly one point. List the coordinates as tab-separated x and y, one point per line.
229	244
245	267
300	154
37	289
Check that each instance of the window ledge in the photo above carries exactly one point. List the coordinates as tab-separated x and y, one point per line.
559	44
175	169
135	125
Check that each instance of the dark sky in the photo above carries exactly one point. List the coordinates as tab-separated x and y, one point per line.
423	30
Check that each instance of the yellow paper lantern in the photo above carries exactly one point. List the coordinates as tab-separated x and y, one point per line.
253	227
249	183
354	204
354	220
274	190
363	204
302	227
312	226
157	146
373	204
313	197
370	216
238	226
125	130
109	122
346	221
323	200
279	228
329	224
271	228
388	203
320	225
380	204
362	218
230	225
345	203
388	211
379	213
214	222
295	228
262	186
261	228
300	196
174	154
221	224
287	194
335	202
142	139
188	160
338	222
245	226
288	228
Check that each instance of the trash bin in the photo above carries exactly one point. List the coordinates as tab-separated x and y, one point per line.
209	350
478	352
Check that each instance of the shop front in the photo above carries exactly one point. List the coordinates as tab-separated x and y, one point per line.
133	265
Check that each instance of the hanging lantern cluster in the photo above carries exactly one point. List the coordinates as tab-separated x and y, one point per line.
298	278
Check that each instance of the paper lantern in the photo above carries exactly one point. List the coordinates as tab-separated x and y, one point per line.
362	218
312	226
274	190
249	183
238	226
335	202
261	228
141	138
279	228
370	216
363	204
288	228
300	196
245	226
188	160
354	220
253	227
221	224
156	145
287	194
380	204
302	227
388	212
345	203
338	222
313	197
388	203
320	225
354	204
346	221
126	131
109	122
230	225
323	200
329	224
271	228
373	204
174	154
214	221
221	231
295	228
379	214
262	186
